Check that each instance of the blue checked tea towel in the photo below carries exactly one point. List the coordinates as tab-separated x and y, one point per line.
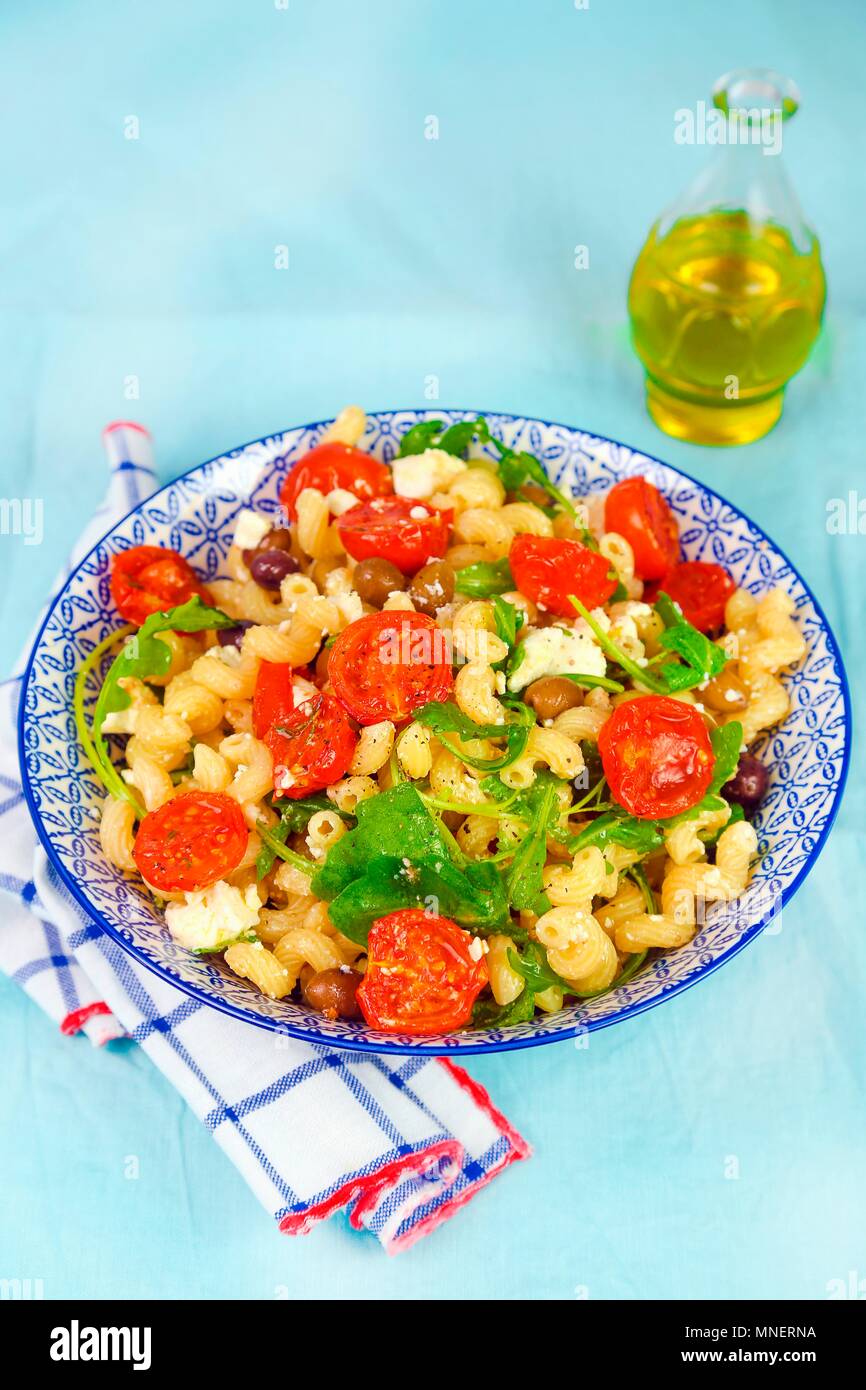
398	1143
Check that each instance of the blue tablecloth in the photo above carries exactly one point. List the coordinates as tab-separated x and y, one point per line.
717	1145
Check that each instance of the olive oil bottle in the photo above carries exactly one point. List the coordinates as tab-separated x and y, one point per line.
727	293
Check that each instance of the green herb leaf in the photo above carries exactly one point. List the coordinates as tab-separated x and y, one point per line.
397	857
144	656
443	716
523	878
485	578
515	469
702	658
294	817
590	682
428	434
618	827
488	1014
509	619
533	965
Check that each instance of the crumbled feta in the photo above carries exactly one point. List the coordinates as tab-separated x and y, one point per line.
250	529
350	606
229	656
420	475
476	948
553	651
211	919
302	690
418	513
340	500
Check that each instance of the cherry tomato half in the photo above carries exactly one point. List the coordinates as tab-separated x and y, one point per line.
385	665
148	579
420	975
311	745
273	697
657	756
701	589
335	465
637	511
547	570
400	529
191	841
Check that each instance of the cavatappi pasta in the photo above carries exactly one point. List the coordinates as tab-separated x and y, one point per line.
470	828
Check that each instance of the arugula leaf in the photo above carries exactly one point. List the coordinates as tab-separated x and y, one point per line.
488	1014
639	674
703	659
590	682
737	813
618	827
484	578
443	716
533	965
515	469
294	816
509	619
397	857
523	878
428	434
143	656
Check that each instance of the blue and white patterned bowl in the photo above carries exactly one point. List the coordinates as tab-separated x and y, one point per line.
808	755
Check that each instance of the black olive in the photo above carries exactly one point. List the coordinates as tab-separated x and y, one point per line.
233	636
748	785
270	567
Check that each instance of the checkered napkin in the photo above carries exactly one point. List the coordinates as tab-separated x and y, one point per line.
401	1143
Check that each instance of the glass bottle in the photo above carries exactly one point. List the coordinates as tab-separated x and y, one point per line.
728	290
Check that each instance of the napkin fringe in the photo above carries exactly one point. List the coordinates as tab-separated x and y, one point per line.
363	1195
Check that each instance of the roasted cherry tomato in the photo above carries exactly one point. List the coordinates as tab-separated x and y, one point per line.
191	841
311	745
547	570
400	529
385	665
637	511
273	697
657	756
148	579
335	465
421	977
701	589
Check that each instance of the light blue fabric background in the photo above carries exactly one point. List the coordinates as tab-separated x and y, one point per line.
409	259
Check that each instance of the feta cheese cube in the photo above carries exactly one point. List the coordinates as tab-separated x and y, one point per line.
211	919
420	475
250	528
554	651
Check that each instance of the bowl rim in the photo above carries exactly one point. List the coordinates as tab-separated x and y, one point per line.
366	1045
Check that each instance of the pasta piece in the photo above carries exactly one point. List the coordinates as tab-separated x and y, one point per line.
253	962
483	526
474	692
506	983
477	487
577	947
413	751
117	833
347	793
373	748
254	768
317	536
301	946
197	706
348	428
526	518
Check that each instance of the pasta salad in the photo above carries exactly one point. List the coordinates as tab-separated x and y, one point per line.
445	747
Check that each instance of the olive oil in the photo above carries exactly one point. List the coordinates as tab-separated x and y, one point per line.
724	311
727	292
